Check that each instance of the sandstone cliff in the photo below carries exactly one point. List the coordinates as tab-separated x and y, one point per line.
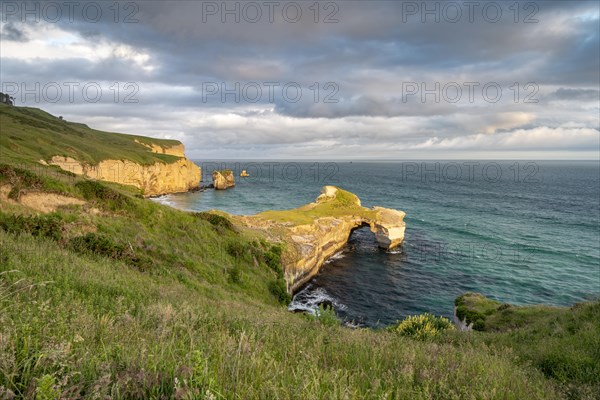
317	231
153	179
223	179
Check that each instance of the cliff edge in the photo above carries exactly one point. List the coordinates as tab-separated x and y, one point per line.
155	166
153	180
315	232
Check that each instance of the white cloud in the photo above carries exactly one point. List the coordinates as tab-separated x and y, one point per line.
48	41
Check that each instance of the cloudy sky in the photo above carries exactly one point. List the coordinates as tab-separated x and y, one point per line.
317	80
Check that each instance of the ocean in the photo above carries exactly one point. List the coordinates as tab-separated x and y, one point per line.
517	231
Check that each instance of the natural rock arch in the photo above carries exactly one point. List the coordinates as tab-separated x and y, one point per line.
318	230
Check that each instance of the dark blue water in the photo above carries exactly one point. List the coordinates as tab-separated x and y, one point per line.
518	232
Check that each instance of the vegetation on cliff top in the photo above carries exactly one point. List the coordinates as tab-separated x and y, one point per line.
343	204
30	134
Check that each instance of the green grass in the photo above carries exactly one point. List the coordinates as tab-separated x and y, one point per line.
28	135
99	328
562	342
344	204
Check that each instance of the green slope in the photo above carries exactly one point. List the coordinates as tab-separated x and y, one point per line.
30	134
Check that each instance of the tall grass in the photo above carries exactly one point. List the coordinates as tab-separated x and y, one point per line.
101	328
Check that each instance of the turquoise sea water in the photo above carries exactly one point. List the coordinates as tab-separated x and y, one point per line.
520	232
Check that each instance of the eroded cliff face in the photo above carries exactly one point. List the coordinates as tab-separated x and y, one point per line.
311	244
155	179
316	243
223	179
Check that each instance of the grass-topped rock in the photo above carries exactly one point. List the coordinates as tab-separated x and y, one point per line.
318	230
472	309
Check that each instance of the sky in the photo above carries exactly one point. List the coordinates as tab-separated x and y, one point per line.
317	80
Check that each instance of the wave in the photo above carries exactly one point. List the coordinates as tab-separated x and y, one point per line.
309	300
337	256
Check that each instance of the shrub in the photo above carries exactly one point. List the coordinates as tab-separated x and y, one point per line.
18	176
471	316
49	226
237	250
216	220
109	198
279	289
235	274
273	259
479	325
21	179
92	243
474	308
104	246
326	316
423	326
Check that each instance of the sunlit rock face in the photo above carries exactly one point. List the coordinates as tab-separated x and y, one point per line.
154	179
223	179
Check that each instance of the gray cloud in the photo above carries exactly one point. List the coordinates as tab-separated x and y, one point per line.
369	55
11	32
576	94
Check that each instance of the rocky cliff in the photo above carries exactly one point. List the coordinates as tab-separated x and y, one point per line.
223	179
318	230
153	179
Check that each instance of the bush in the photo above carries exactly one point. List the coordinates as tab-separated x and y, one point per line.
235	274
479	325
104	246
109	198
471	316
326	316
216	220
423	326
279	289
21	179
273	259
50	226
92	243
237	250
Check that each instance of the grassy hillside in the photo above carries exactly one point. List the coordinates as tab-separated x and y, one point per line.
120	297
30	134
562	342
